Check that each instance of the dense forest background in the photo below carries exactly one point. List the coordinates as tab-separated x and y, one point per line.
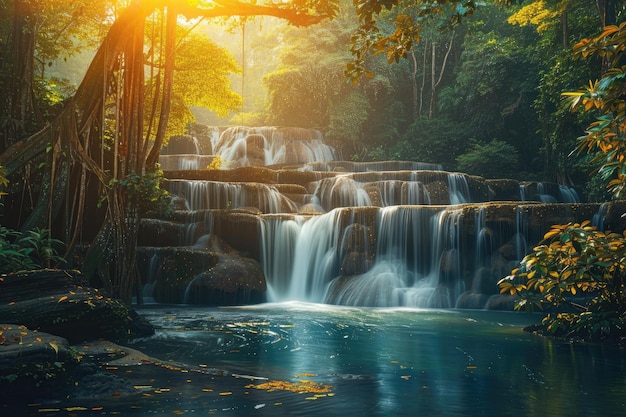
483	97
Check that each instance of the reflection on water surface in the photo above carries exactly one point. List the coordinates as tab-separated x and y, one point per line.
314	360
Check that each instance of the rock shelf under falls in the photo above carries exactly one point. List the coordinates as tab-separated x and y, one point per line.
392	233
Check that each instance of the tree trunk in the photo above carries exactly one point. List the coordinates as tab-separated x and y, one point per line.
606	10
18	114
414	83
168	80
564	29
424	72
432	81
435	83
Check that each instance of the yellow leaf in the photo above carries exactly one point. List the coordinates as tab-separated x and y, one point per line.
62	298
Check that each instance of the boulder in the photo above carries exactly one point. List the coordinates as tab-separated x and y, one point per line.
29	358
234	280
61	303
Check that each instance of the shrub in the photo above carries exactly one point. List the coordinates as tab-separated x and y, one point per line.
496	159
579	271
29	250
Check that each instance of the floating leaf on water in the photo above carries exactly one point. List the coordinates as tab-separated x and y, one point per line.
301	387
256	407
226	393
62	298
49	410
406	377
76	409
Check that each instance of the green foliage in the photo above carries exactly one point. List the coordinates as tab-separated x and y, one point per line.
496	159
146	192
395	44
439	140
347	116
198	59
605	138
579	271
33	249
65	28
309	80
50	93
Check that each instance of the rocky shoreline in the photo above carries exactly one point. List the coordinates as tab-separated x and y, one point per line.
58	333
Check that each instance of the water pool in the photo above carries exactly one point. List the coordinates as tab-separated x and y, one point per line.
297	359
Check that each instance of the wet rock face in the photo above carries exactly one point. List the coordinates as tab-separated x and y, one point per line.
384	233
233	280
178	145
210	273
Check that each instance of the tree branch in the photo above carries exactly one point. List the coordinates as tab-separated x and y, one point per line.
228	8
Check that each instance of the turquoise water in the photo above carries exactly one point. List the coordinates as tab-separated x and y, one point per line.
363	362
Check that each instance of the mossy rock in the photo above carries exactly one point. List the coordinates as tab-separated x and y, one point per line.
60	302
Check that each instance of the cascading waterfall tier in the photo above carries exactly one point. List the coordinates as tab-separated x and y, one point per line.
414	256
282	219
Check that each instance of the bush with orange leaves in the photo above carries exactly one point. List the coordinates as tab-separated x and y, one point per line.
581	273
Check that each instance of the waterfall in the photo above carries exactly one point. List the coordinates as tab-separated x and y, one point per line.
390	233
599	217
403	193
548	193
568	195
483	239
262	146
340	191
458	189
521	225
416	260
279	237
201	195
